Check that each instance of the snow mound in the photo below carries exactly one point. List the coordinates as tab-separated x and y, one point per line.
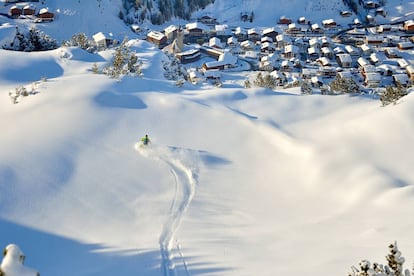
12	264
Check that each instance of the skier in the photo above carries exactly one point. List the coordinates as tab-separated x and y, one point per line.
145	140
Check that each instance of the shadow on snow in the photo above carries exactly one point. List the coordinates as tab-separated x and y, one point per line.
54	255
115	100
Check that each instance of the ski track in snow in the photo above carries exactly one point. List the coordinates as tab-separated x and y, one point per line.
185	180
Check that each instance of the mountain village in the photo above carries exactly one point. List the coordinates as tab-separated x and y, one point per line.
293	51
296	51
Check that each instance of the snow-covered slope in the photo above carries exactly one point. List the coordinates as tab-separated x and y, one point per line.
236	181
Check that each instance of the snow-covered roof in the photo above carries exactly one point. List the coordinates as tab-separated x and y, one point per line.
373	77
156	35
224	59
326	50
374	57
170	29
195	25
324	61
328	21
401	78
291	49
43	10
98	36
344	58
362	61
313	50
402	63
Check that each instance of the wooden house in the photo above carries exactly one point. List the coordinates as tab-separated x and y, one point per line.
327	52
308	73
15	12
365	49
225	61
403	63
372	79
380	11
386	69
290	51
410	71
368	69
188	56
266	39
283	40
303	21
278	77
313	53
362	62
344	60
370	4
316	81
316	28
370	19
284	20
240	34
45	15
339	50
324	61
253	35
286	66
353	51
409	26
293	29
171	32
247	45
195	77
267	47
212	52
157	38
384	28
212	74
400	79
102	41
374	40
406	45
270	32
345	13
208	20
314	42
215	42
195	29
325	41
266	65
29	10
222	31
328	23
374	58
392	53
232	41
327	71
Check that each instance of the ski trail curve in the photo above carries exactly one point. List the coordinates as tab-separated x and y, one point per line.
183	169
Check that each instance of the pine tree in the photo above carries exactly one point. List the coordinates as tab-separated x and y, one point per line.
306	88
393	94
395	260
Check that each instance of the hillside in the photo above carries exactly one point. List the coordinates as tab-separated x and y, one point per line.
236	181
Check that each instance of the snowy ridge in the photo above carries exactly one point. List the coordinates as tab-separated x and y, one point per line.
183	168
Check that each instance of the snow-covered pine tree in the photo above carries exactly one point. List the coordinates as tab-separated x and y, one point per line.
395	260
306	88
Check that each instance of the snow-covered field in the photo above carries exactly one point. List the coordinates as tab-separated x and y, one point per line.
235	182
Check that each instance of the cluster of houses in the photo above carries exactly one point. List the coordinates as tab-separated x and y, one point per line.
297	50
30	11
